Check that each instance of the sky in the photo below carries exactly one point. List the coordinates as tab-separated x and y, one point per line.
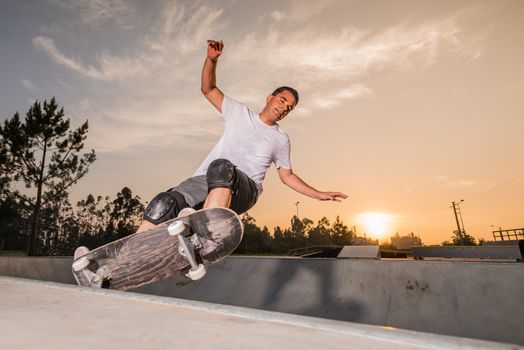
406	106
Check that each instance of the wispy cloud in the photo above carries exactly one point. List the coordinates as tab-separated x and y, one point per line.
326	66
331	62
94	12
278	15
111	67
462	183
28	84
354	51
299	13
331	100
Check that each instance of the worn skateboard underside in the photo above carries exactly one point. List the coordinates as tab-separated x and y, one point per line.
146	257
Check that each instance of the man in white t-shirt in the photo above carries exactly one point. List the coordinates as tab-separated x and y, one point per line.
232	174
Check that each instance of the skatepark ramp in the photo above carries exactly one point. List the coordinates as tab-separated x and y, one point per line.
481	300
57	316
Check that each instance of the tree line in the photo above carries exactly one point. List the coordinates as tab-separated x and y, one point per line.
301	233
92	222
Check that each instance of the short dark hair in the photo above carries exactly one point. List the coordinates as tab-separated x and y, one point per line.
287	88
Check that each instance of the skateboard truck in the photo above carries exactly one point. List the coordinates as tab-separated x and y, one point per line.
99	279
187	249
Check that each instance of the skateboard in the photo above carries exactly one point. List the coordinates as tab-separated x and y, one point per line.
186	245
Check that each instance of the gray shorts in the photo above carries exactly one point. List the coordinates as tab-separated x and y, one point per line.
244	193
193	192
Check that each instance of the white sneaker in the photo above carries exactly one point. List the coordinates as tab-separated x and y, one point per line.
186	212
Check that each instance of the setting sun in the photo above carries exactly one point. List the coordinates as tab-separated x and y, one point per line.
375	223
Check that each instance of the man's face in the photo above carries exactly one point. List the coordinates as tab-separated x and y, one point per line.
280	105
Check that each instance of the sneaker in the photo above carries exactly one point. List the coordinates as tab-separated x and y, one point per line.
80	251
186	212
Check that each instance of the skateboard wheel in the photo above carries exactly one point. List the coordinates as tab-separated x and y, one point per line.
80	264
198	273
176	228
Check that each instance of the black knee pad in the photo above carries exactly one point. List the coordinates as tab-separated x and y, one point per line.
165	206
221	173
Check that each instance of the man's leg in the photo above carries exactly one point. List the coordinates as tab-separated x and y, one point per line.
170	204
229	187
218	197
163	207
145	225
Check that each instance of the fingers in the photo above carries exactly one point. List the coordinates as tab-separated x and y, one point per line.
335	196
341	195
216	45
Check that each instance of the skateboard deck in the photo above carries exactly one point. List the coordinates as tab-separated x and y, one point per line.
186	244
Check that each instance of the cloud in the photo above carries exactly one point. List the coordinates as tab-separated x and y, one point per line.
94	12
169	42
111	67
353	92
278	15
462	183
155	81
28	84
48	46
355	51
325	65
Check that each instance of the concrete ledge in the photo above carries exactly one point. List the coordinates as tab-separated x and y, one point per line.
502	252
360	252
55	269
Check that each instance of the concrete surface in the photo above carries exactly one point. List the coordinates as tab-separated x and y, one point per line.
44	315
481	300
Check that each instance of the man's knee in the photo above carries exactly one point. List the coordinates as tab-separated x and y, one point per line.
221	173
165	206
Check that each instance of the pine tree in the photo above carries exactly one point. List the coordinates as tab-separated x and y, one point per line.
42	152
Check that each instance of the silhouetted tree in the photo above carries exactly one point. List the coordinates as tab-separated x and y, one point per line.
44	154
279	243
299	231
125	214
405	242
340	233
14	225
56	225
320	234
255	240
462	239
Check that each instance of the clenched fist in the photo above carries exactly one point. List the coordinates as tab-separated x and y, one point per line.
214	49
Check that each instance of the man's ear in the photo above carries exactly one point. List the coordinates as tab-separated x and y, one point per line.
268	98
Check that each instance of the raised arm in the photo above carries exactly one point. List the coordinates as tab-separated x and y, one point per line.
293	181
209	82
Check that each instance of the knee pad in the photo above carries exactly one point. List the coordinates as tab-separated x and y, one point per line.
165	206
221	173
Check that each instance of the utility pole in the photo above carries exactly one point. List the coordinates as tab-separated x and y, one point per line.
460	230
297	203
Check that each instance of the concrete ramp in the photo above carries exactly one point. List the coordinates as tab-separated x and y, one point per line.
481	300
56	316
470	299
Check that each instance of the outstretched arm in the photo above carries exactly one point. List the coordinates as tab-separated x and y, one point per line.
292	180
209	81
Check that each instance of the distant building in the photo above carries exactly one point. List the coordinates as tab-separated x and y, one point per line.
364	241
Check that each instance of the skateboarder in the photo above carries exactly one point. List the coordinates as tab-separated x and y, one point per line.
232	174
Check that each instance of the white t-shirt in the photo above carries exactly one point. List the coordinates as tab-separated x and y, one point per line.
249	143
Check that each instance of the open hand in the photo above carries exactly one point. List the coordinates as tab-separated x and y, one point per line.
332	196
214	49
